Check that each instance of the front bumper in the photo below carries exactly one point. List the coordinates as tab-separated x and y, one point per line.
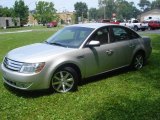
24	81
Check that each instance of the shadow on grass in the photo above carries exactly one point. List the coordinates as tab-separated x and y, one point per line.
124	108
29	94
105	75
146	106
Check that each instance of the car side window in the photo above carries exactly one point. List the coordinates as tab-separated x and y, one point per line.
122	34
101	35
132	34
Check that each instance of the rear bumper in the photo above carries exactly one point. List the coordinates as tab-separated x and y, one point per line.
143	27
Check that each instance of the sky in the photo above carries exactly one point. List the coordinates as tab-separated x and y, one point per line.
60	5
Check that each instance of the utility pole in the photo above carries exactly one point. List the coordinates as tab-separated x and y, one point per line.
104	8
103	5
88	15
82	17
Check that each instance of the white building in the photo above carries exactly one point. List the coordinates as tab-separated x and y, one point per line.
150	15
9	22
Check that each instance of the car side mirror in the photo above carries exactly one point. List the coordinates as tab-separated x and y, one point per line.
94	43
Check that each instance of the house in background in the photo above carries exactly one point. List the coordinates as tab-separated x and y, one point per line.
150	15
66	17
31	19
9	22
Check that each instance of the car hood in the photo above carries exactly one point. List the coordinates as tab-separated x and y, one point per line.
38	52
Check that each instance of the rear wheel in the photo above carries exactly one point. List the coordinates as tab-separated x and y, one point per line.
135	28
149	28
143	29
138	61
64	80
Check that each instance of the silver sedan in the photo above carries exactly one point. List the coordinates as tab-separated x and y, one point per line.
72	54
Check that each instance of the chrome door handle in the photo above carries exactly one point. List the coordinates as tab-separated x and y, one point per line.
109	52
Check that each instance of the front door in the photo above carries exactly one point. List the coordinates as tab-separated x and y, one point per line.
99	58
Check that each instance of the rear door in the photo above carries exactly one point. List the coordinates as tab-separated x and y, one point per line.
124	42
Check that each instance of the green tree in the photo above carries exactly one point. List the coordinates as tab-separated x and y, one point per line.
155	4
107	7
6	12
126	10
122	8
93	14
45	12
81	10
144	5
21	10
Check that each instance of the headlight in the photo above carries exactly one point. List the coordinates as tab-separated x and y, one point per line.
32	67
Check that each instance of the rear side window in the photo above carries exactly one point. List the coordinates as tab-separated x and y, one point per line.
122	34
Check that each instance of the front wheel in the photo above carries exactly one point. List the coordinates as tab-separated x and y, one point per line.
64	80
138	61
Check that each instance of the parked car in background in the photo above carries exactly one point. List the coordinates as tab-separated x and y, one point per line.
153	24
52	24
105	21
27	25
72	54
135	24
110	21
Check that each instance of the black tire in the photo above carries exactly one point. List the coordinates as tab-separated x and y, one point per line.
138	61
64	80
149	28
143	29
135	28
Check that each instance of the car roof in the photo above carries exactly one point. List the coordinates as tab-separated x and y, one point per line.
91	25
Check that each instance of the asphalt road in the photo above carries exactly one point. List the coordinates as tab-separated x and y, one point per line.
149	32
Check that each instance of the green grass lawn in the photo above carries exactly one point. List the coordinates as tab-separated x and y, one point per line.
39	27
119	95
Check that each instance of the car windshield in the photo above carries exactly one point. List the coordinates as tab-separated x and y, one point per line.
70	36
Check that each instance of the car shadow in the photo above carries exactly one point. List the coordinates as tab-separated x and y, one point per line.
28	94
105	75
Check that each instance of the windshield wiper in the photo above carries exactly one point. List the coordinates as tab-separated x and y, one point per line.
46	42
57	44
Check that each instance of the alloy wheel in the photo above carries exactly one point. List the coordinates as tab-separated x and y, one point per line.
138	61
63	81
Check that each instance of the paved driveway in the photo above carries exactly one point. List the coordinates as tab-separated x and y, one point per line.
149	32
